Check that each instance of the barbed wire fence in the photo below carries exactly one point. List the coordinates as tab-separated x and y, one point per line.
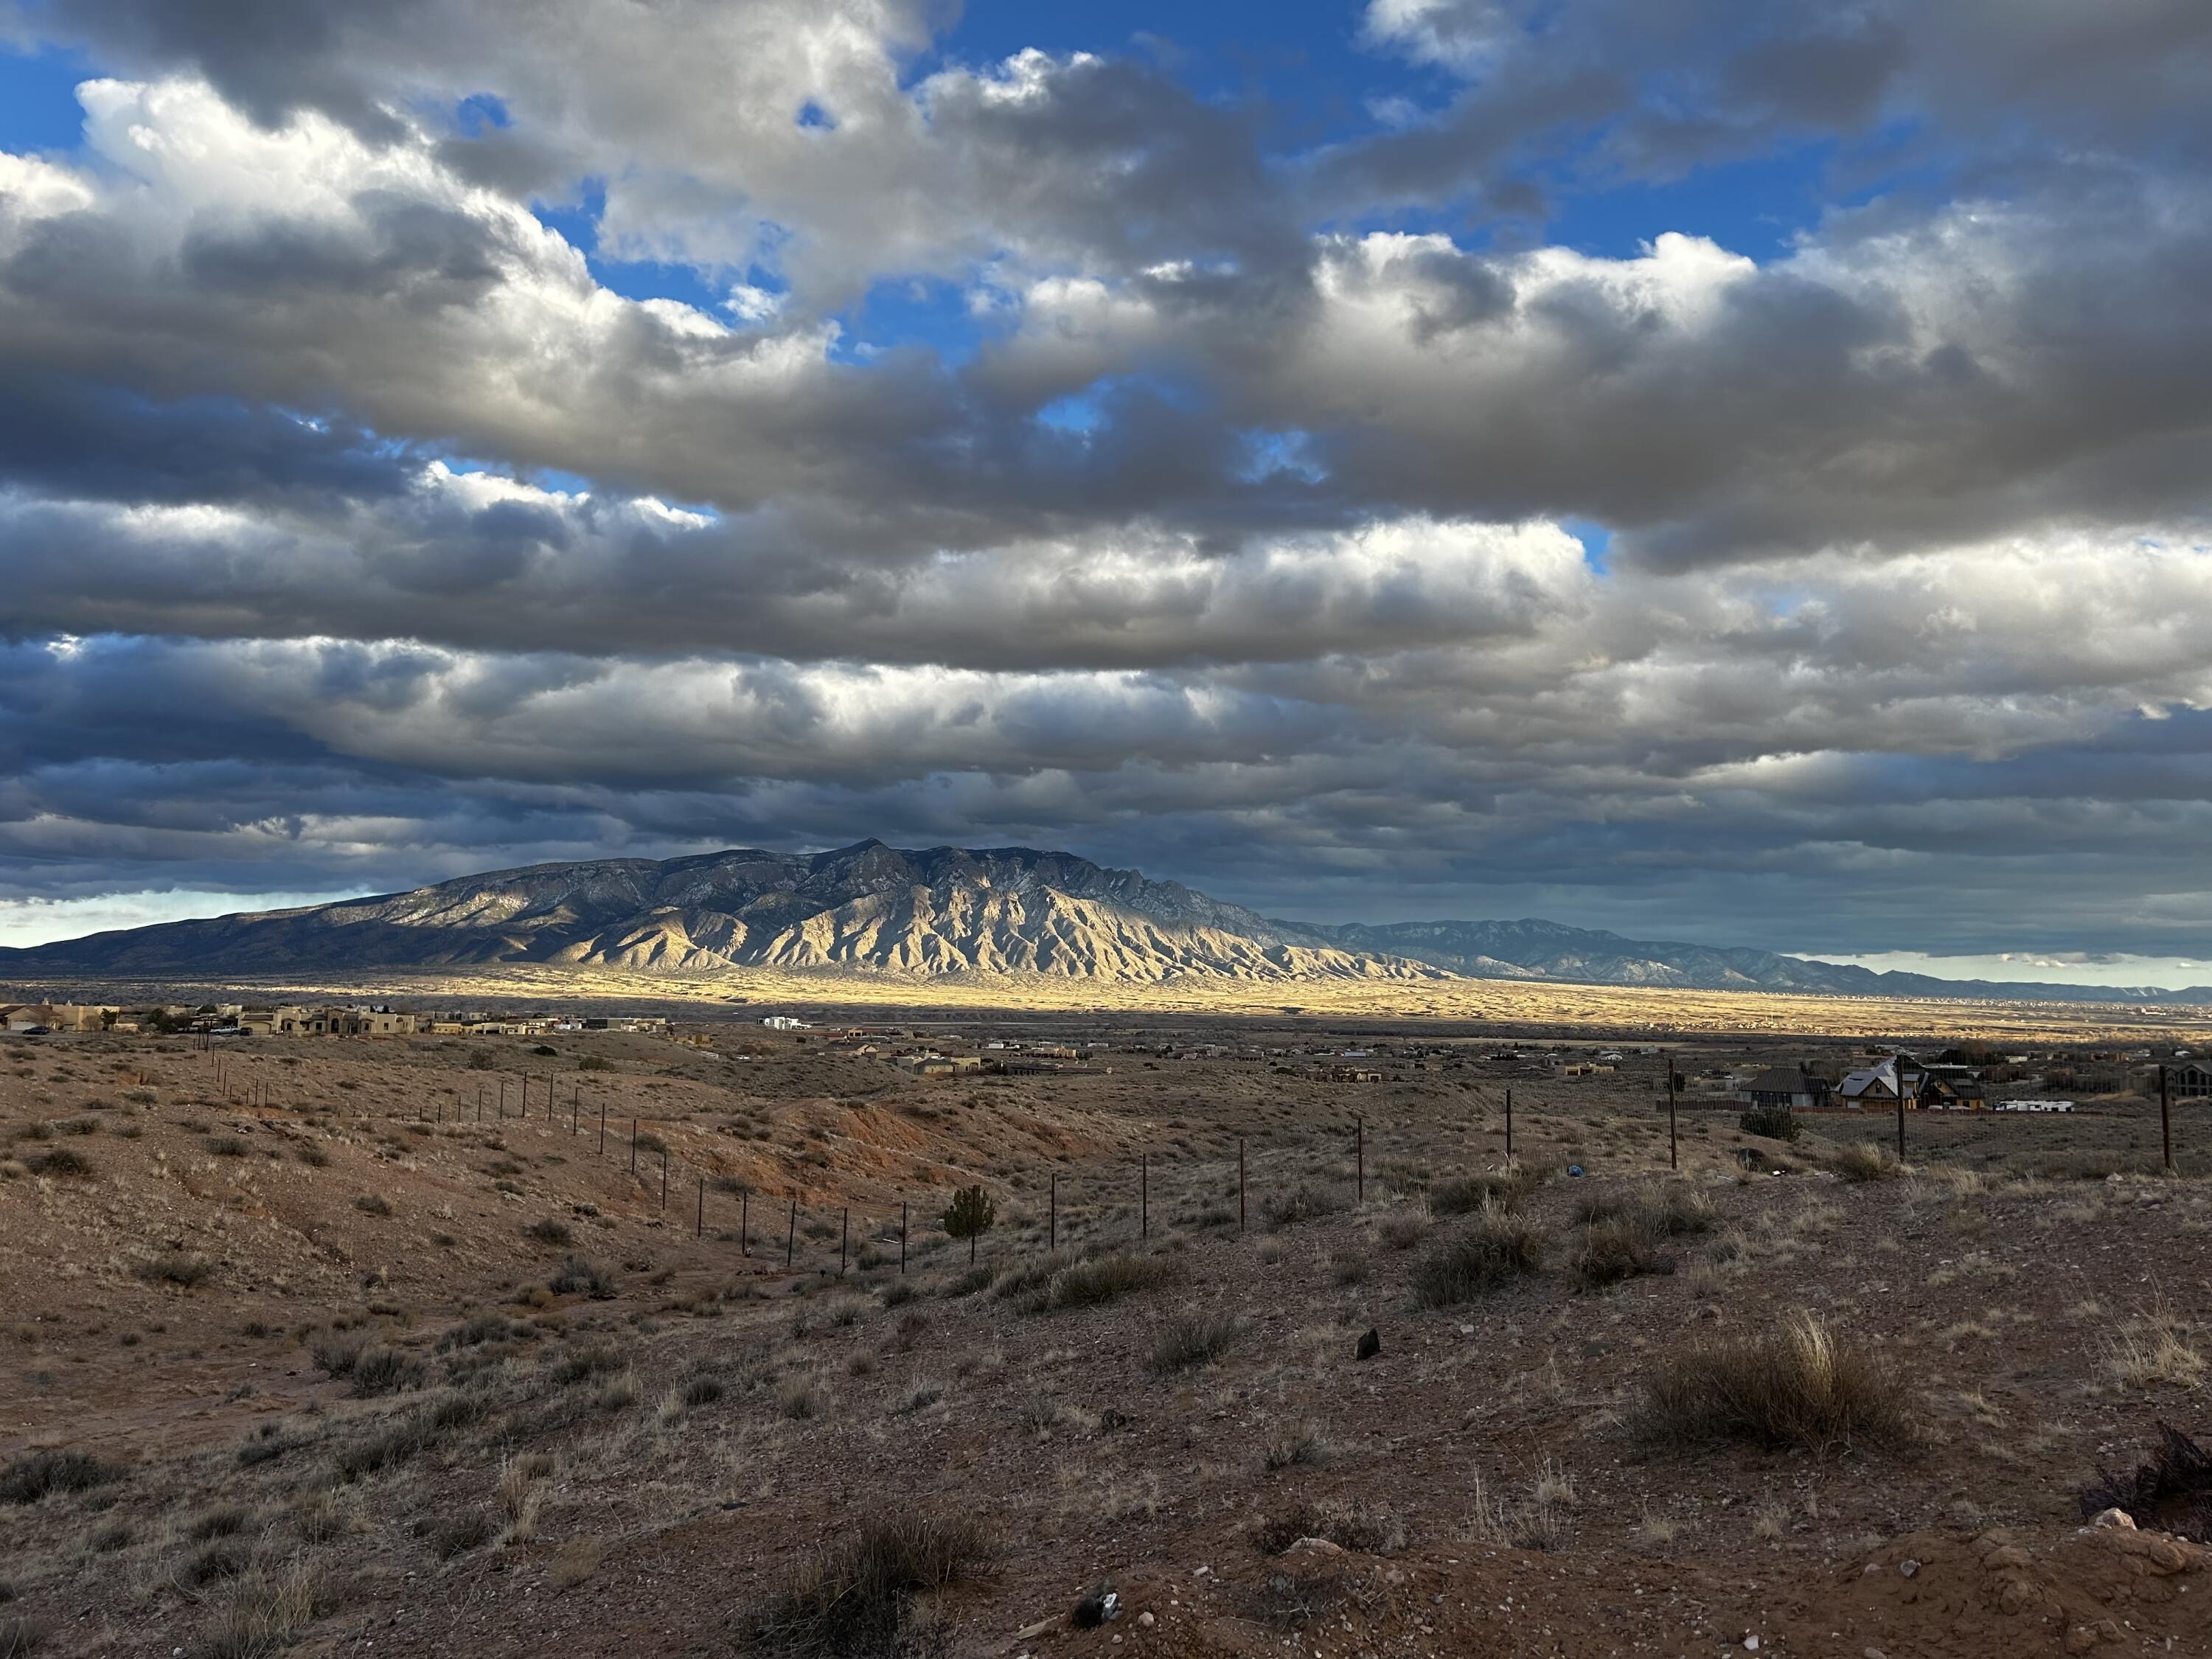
1112	1204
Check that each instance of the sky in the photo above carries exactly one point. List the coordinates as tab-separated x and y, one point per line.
1736	471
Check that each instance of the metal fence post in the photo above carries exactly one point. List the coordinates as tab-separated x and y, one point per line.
791	1238
633	1146
1144	1195
1359	1160
664	1181
1674	1153
745	1221
1901	1109
844	1235
603	1128
1052	1227
1240	1184
902	1238
2165	1119
1509	1126
699	1227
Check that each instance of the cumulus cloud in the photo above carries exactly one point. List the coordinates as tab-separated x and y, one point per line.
1241	531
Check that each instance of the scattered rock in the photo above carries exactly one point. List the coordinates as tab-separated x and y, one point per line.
1145	1621
1102	1605
1370	1344
1314	1546
1909	1568
2113	1518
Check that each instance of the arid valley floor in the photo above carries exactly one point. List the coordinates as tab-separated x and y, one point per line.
303	1354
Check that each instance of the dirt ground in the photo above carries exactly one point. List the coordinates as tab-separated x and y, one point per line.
298	1306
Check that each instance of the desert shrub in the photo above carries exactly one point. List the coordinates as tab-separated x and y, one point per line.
1500	1188
796	1398
590	1360
225	1521
550	1231
224	1558
64	1163
2170	1490
1654	1210
1368	1527
1401	1229
225	1146
1026	1278
313	1155
392	1443
1293	1444
1104	1279
20	1638
1304	1202
595	1063
702	1391
1484	1255
1608	1252
1774	1122
471	1529
372	1204
178	1267
39	1474
485	1327
380	1370
855	1595
1193	1339
79	1125
337	1353
1865	1161
580	1273
899	1292
1797	1385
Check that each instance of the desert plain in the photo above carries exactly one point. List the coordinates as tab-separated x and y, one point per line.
384	1345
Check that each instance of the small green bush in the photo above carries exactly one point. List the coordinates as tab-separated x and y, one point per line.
1774	1122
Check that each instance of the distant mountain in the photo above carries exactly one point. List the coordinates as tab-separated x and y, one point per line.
943	910
939	910
1546	950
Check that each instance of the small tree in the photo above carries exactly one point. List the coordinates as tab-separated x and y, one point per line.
970	1215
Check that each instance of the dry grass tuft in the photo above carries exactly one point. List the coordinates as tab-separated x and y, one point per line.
1866	1160
1798	1386
2155	1346
855	1595
1193	1339
1486	1255
266	1611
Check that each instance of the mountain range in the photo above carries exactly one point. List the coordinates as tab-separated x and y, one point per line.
939	910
